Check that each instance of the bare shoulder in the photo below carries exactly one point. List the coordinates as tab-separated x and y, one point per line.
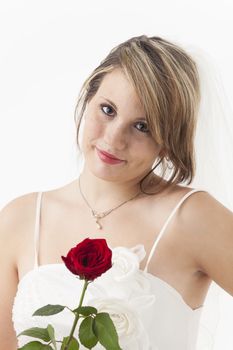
15	216
209	226
201	214
17	209
202	210
199	207
18	203
18	215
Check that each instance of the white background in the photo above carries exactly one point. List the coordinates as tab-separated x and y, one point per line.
47	50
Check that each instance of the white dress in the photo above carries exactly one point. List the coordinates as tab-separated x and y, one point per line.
149	314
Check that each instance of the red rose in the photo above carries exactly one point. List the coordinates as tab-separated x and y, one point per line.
89	259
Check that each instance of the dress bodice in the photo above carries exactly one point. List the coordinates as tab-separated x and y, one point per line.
149	314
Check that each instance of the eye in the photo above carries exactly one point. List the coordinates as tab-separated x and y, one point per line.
143	127
107	109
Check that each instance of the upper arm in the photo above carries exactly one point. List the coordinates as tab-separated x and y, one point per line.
11	217
211	227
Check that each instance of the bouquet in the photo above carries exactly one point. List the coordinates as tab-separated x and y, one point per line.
87	260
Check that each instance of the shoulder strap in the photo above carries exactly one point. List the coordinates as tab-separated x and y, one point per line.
166	224
37	228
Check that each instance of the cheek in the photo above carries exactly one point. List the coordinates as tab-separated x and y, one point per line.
147	151
92	130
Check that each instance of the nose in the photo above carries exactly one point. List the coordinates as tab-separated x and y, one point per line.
115	136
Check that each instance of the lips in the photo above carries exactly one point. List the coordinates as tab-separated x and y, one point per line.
107	158
111	156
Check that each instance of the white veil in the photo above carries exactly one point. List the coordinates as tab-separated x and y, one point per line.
214	168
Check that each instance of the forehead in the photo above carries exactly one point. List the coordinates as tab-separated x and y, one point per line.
116	87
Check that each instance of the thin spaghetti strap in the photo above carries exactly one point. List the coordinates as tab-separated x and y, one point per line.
37	229
167	222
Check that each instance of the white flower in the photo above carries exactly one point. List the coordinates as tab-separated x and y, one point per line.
124	279
126	318
125	262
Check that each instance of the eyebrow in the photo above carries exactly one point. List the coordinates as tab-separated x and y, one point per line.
113	104
109	101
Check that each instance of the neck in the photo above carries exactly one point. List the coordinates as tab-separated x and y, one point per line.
103	195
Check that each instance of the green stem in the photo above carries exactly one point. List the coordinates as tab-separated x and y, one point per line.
77	316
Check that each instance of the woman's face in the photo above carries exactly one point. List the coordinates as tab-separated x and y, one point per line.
115	123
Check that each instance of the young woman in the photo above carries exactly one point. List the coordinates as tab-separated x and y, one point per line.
139	111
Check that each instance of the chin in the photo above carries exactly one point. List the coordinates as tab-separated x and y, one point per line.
104	171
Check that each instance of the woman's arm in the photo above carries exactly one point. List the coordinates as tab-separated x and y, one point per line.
8	275
211	226
16	219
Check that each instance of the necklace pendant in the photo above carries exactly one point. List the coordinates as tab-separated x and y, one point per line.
97	215
98	224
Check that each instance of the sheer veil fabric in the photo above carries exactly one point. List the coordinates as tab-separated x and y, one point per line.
214	167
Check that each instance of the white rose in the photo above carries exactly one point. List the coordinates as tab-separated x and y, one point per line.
125	263
125	278
130	330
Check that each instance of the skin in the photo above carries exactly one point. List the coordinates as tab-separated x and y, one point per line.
197	245
122	133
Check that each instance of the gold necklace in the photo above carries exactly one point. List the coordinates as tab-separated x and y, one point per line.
99	215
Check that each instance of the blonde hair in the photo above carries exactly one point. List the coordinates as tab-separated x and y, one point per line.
165	78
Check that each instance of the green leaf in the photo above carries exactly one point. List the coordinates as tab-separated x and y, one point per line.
49	310
86	310
86	335
51	333
36	332
74	345
36	345
105	331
